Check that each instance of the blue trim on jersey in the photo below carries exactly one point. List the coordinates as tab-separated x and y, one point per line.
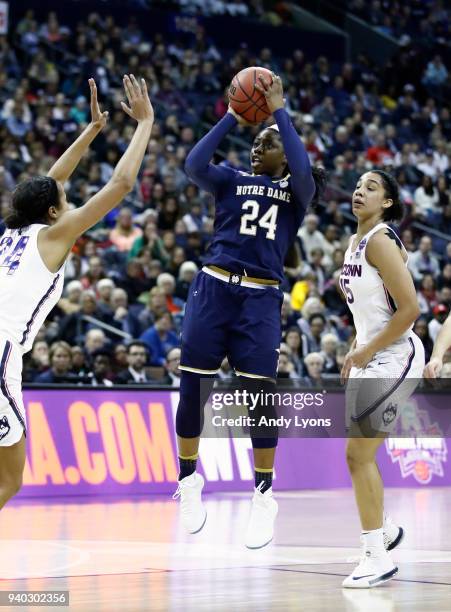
4	386
38	308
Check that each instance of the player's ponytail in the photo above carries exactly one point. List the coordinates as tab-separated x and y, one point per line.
395	212
31	201
320	178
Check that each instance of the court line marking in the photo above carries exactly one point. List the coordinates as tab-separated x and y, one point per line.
281	569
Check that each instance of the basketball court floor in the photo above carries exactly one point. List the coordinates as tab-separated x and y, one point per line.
132	555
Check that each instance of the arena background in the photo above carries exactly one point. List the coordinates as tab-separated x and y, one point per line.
372	93
367	85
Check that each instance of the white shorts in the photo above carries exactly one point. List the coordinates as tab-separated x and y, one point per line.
376	394
12	410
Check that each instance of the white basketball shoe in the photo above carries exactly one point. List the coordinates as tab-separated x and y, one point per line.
375	568
393	535
260	529
193	512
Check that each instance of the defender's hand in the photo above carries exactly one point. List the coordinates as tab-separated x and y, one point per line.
140	107
98	119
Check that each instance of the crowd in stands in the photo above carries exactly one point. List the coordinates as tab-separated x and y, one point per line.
427	19
128	278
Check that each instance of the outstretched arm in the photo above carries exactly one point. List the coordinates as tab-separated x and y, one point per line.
302	182
55	241
206	175
69	160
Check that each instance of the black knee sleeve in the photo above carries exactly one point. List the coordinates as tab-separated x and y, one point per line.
262	435
189	419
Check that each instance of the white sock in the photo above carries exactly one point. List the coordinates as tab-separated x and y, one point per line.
374	538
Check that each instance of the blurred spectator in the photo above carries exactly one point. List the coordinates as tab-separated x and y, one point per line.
124	234
187	272
293	338
422	331
172	370
426	199
166	282
160	338
314	363
311	237
60	364
329	344
285	367
423	261
427	295
136	371
101	369
95	340
71	303
440	313
36	362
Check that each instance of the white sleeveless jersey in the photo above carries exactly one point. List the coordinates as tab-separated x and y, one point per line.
368	299
28	290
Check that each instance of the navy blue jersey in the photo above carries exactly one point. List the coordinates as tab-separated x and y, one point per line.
257	216
256	220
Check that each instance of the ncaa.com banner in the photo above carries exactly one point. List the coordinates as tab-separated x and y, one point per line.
122	442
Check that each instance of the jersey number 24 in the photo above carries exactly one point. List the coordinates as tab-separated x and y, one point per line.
249	220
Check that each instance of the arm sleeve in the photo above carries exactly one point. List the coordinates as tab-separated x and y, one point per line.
302	183
197	165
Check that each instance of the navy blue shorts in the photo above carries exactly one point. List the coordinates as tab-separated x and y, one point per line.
225	320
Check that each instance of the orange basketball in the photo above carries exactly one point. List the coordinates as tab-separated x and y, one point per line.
245	99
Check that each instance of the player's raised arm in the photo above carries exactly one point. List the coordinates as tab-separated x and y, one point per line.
198	164
58	238
69	160
302	182
442	344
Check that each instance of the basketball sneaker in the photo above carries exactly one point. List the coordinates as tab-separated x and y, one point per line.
193	512
260	529
393	535
375	567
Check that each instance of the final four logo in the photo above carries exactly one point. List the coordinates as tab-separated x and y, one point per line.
420	457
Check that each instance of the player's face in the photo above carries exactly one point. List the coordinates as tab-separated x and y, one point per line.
267	154
369	196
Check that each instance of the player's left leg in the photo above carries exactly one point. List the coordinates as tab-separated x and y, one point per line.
253	351
375	566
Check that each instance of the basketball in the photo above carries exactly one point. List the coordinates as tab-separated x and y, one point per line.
245	99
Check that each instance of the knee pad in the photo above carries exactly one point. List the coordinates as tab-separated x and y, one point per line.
189	419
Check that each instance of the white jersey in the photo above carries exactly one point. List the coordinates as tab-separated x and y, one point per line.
368	299
28	290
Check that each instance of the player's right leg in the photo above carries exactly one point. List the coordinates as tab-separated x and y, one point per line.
203	348
12	462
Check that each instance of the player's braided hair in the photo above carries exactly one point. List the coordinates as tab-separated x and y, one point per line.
391	188
31	200
320	178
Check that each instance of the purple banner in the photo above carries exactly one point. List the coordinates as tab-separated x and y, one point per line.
101	442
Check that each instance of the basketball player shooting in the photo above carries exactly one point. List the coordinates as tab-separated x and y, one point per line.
234	303
41	231
384	364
